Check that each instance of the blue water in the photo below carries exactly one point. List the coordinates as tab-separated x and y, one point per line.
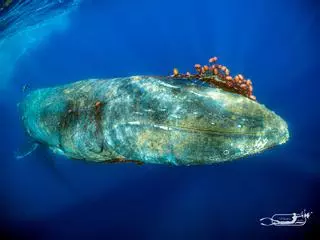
275	43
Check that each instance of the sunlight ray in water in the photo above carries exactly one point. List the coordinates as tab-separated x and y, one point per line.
21	31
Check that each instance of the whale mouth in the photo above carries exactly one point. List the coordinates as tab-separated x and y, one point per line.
192	144
281	132
208	131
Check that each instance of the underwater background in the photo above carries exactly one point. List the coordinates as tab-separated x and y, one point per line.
274	43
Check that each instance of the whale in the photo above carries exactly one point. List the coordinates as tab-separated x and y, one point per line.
149	119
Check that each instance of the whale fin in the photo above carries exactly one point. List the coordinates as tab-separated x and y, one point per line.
26	150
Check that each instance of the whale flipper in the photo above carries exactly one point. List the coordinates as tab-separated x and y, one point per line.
26	150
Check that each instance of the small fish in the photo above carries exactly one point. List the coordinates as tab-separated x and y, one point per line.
175	71
25	87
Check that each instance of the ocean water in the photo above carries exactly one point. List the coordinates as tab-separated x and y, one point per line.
274	43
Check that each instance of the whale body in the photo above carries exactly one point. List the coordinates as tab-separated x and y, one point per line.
148	119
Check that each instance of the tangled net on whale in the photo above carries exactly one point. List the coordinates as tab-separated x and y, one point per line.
219	76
